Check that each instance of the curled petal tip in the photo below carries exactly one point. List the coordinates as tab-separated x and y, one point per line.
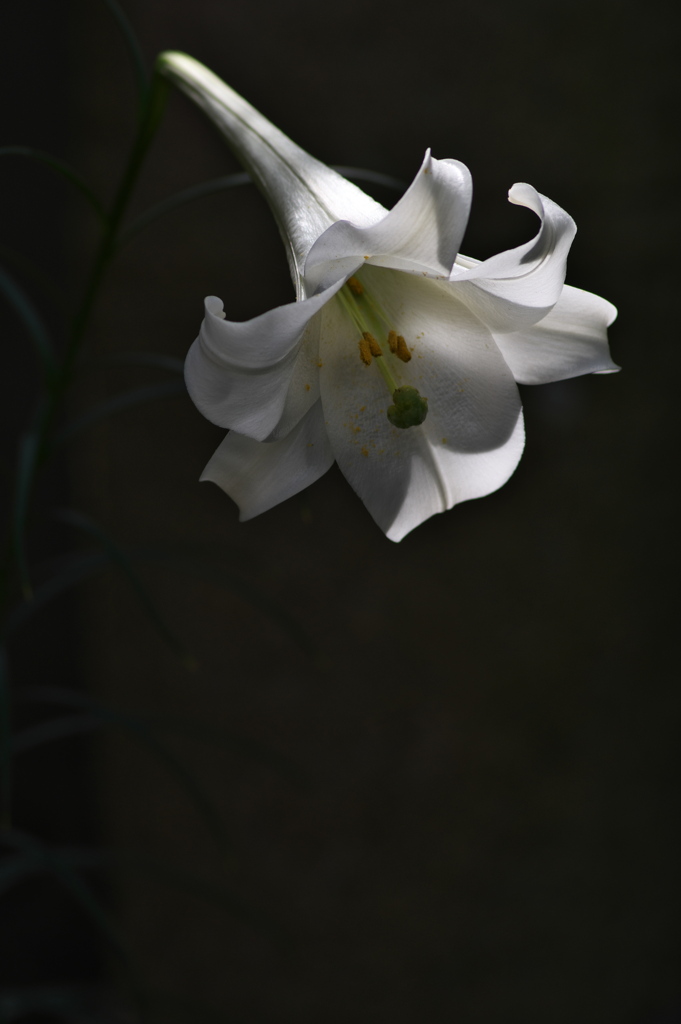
214	306
522	194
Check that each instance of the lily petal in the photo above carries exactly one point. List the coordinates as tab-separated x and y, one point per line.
571	340
472	438
440	479
238	374
421	234
519	287
303	389
305	195
258	475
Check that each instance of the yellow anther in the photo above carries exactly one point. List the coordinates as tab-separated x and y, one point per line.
401	351
392	341
374	347
355	286
364	351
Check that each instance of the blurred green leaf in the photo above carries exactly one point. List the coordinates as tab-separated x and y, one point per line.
61	168
164	873
142	729
152	392
31	321
67	1002
27	461
5	742
188	195
63	728
203	563
194	790
14	869
97	716
120	558
29	269
155	359
70	571
246	746
50	859
151	112
197	562
27	862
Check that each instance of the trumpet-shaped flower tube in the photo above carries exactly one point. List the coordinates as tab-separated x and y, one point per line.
400	357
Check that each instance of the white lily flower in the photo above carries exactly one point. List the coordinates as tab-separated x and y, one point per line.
399	359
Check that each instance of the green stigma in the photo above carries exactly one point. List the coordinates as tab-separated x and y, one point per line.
409	409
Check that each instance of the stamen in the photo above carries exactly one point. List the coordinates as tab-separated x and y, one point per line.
374	347
409	408
401	350
364	351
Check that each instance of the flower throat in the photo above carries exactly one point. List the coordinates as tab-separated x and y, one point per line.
409	408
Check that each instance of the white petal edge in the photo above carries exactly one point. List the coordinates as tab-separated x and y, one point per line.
519	287
421	234
238	374
571	341
259	475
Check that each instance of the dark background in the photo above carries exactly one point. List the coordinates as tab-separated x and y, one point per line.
455	797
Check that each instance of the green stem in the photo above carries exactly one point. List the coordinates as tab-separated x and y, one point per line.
5	749
35	447
149	121
60	377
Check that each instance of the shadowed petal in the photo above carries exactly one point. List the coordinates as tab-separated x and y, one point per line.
421	234
570	341
304	194
462	476
238	374
472	438
519	287
258	475
303	388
